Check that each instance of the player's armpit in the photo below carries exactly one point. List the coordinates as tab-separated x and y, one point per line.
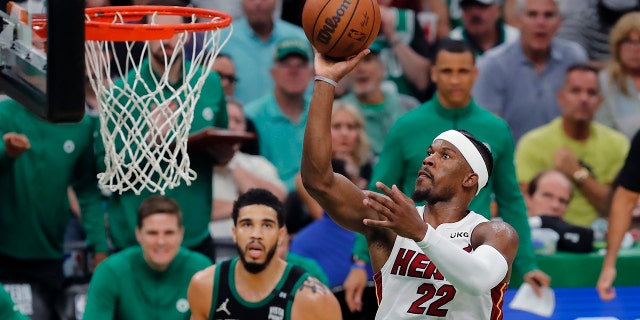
313	300
200	293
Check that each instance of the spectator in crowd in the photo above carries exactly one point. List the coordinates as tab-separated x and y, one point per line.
38	161
282	114
242	173
482	27
210	110
518	81
573	144
591	22
378	100
149	281
257	284
226	69
548	196
404	50
625	198
8	310
454	72
620	80
252	45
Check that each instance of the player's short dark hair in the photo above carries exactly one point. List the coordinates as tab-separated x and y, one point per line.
158	204
483	149
262	197
456	46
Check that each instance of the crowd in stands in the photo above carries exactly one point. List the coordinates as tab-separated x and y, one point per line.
555	96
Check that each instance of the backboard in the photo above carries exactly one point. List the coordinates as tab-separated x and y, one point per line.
42	57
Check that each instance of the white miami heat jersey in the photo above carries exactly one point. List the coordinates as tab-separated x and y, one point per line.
410	286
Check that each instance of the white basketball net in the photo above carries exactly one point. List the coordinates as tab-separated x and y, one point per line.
145	126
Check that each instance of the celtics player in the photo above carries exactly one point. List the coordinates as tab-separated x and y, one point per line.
149	281
440	260
258	284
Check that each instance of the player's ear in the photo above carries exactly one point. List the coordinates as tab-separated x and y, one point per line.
470	180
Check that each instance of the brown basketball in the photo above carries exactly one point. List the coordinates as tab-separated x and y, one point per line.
341	28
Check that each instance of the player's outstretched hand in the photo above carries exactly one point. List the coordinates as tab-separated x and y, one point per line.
400	211
333	69
15	144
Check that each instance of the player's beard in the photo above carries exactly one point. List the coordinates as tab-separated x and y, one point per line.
427	195
254	267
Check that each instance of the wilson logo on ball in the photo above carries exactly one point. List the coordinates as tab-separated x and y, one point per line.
330	24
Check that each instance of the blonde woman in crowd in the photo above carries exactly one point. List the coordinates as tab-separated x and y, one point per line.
620	80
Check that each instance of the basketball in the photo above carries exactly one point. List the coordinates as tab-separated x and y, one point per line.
341	28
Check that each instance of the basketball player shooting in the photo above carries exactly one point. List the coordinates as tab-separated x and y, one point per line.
439	260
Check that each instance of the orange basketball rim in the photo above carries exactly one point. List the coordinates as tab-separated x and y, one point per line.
112	23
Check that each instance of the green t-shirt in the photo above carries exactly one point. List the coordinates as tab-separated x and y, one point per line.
406	147
124	287
34	206
603	152
194	200
280	138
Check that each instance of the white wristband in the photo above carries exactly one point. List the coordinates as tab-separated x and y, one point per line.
325	79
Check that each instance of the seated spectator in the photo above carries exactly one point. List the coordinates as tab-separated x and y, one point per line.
573	144
226	69
625	198
482	27
378	100
8	310
252	45
518	81
547	198
242	173
404	50
620	80
149	281
590	24
281	115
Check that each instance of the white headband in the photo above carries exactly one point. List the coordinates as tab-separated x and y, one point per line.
469	152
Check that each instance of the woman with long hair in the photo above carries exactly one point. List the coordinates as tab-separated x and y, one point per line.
620	80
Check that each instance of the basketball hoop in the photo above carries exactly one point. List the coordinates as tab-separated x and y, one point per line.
145	126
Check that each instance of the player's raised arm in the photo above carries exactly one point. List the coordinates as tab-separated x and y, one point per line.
336	194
